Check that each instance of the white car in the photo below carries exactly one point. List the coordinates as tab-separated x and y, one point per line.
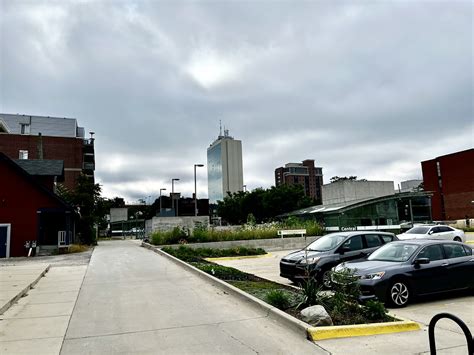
439	232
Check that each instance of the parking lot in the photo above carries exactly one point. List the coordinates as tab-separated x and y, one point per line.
449	337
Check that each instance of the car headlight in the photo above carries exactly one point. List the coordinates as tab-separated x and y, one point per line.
309	261
373	276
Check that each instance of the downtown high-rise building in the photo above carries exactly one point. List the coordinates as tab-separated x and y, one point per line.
224	167
304	174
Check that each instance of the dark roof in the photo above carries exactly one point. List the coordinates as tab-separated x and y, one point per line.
31	179
42	167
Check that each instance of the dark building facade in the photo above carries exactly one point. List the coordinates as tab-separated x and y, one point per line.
451	179
304	174
31	212
49	138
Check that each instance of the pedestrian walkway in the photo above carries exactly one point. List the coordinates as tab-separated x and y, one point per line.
37	323
135	301
16	280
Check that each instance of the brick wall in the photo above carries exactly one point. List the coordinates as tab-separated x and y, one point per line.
67	149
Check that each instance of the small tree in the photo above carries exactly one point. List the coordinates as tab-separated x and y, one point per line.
85	198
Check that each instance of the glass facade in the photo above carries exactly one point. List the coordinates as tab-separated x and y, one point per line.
391	211
214	173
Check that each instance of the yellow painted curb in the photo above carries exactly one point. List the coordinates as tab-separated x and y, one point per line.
470	241
358	330
240	257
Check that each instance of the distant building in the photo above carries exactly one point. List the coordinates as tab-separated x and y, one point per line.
304	174
31	214
391	212
48	138
344	191
410	185
224	167
451	179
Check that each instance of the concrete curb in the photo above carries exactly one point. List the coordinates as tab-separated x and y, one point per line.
268	255
312	333
23	292
274	313
357	330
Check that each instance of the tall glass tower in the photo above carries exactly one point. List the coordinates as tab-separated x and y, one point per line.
224	167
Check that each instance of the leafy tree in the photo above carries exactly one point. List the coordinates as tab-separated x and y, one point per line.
85	197
263	204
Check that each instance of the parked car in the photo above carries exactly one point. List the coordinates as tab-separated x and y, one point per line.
434	232
317	259
402	270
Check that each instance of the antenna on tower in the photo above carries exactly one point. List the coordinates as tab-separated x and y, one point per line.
220	128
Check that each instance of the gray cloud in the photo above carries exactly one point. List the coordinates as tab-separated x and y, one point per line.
366	89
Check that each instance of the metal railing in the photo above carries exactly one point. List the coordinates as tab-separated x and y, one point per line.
465	329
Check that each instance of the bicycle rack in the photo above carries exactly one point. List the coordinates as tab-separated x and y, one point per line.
465	329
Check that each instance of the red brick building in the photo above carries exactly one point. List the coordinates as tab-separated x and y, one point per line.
304	174
451	179
52	138
29	211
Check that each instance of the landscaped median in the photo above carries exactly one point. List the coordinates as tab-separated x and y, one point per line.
294	307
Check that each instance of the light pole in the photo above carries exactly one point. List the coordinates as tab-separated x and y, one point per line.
162	189
172	194
195	189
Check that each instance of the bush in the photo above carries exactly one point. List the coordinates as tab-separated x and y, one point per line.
310	292
223	272
202	234
343	306
374	310
278	299
190	254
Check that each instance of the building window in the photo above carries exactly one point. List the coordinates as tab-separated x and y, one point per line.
23	154
24	128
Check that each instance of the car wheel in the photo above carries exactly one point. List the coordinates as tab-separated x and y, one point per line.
399	293
457	239
325	279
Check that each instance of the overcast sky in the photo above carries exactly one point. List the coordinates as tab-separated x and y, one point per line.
365	88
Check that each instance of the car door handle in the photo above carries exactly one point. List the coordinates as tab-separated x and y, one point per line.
445	264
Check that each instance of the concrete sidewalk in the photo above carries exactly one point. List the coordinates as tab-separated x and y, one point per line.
135	301
16	281
37	323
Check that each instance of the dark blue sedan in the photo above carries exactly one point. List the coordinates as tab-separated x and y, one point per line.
402	270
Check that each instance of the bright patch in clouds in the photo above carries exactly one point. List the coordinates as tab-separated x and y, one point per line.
210	69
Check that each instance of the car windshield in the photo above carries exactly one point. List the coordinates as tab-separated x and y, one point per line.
418	230
396	252
327	242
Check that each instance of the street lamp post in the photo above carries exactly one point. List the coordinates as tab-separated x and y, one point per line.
195	189
172	194
162	189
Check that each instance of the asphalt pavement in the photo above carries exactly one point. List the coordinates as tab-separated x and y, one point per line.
135	301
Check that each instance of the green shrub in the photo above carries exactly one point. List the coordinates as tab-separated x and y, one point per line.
190	254
278	299
374	310
223	272
202	234
310	293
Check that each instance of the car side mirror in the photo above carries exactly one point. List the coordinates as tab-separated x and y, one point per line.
343	250
420	261
430	232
